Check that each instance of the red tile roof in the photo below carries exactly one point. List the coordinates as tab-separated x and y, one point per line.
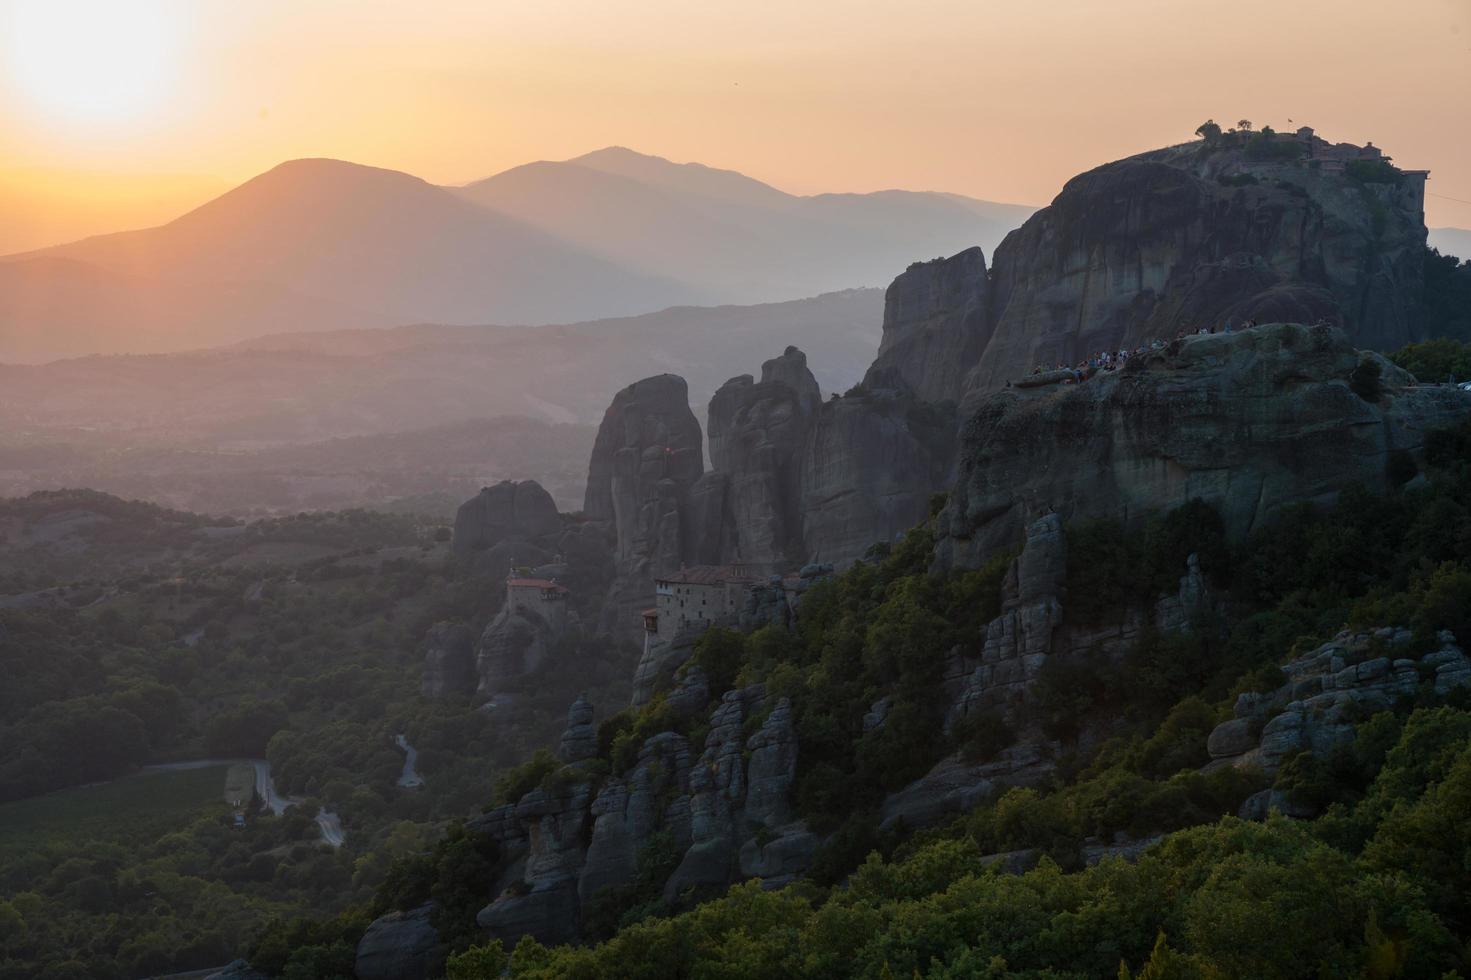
707	575
536	583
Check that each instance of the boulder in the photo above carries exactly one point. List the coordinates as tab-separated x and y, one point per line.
399	946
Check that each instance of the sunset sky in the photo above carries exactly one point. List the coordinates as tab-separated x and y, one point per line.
123	113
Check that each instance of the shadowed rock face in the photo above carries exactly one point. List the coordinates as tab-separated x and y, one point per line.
935	325
647	457
758	436
1142	247
508	511
873	461
1250	422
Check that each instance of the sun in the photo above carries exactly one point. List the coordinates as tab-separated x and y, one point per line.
91	60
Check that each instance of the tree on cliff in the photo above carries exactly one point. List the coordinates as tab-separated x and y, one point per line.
1210	131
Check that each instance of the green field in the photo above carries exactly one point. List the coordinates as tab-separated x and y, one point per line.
136	807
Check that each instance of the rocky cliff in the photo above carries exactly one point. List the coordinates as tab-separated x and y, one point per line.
1164	241
874	459
489	525
936	323
758	438
647	457
1250	422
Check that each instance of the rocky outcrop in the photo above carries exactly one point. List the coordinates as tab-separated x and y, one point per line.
726	815
449	662
653	796
1017	642
545	835
874	459
1328	690
647	456
936	324
1250	422
1194	235
508	511
515	644
580	739
758	436
399	946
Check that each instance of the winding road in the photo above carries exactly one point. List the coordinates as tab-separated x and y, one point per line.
328	823
410	779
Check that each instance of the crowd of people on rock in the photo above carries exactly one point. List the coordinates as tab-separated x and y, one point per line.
1111	360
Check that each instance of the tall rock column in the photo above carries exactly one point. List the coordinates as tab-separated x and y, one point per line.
647	457
758	436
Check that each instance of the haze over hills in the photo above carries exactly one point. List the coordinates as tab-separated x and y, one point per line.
324	244
245	429
732	236
1452	241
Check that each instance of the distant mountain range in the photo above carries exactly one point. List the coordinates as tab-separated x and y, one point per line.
413	410
326	245
1452	241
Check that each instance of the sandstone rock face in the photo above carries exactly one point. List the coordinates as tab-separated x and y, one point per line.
1346	679
873	461
1146	246
1250	422
508	511
647	457
936	323
399	946
758	435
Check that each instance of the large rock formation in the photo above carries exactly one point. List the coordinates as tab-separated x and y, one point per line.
508	511
1328	690
516	643
936	323
400	946
874	459
1198	234
1250	422
726	815
647	457
758	436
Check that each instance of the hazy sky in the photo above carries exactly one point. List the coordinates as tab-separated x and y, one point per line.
1001	99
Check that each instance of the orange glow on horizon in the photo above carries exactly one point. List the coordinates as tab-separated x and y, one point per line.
998	99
